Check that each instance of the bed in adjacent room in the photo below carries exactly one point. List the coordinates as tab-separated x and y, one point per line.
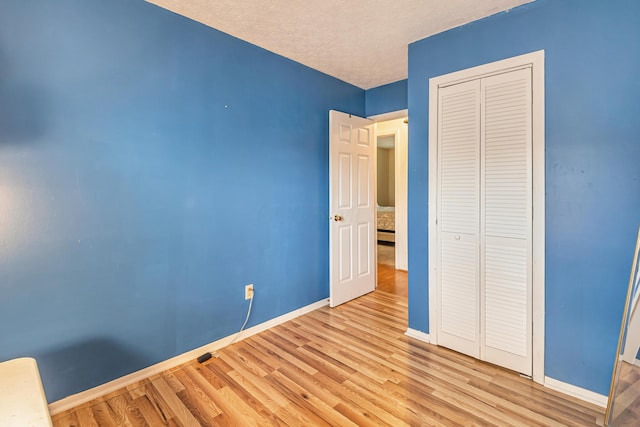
386	224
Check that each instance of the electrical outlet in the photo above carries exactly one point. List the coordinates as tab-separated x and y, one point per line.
248	291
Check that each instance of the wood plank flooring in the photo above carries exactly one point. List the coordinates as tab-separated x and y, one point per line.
392	281
386	254
347	366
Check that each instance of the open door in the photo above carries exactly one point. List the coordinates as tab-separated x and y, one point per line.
352	244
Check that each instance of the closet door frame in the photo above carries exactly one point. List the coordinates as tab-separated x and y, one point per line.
535	61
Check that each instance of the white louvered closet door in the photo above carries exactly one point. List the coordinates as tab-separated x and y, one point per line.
484	219
506	220
459	217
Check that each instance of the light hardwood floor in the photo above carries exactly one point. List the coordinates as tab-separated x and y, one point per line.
386	254
351	365
393	281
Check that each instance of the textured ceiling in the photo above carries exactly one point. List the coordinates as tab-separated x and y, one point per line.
363	42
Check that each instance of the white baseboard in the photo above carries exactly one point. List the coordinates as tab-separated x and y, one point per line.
577	392
414	333
95	392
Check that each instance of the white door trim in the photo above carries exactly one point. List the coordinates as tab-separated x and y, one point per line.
535	60
400	114
398	129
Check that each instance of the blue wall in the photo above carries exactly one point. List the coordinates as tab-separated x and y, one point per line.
592	165
150	167
386	98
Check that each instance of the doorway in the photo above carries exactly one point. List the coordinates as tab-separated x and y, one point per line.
391	192
386	198
391	135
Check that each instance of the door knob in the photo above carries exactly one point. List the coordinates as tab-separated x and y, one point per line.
338	218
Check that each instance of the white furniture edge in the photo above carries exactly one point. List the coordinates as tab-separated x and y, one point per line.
22	398
74	400
577	392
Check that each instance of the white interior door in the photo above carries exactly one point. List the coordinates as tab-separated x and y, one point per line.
352	242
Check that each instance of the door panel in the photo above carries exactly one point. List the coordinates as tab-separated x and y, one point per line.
459	303
459	217
344	181
344	257
506	298
506	220
351	204
365	178
364	249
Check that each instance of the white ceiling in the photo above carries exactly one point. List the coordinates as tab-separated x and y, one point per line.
363	42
